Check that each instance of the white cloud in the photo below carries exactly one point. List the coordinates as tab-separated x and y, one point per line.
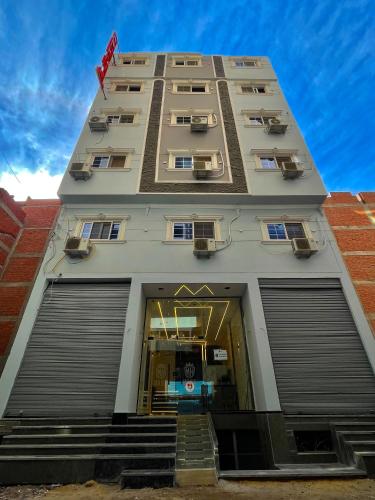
39	184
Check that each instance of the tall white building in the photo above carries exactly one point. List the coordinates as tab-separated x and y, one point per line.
192	270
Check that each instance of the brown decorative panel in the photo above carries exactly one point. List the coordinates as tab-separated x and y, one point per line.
219	67
159	67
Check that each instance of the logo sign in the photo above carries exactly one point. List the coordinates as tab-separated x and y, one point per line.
220	355
189	371
189	386
101	71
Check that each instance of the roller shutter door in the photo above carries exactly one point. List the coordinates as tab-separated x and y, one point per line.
71	362
319	360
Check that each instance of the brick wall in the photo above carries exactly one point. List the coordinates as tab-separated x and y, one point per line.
352	220
24	232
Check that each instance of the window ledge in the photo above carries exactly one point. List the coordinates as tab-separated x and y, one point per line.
184	242
94	169
100	242
267	169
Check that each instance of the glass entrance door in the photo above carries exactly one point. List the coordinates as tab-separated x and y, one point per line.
194	357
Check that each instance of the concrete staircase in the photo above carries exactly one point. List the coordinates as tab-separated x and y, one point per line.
196	451
140	452
355	443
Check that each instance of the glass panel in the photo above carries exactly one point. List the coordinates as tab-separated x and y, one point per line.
183	231
281	159
127	119
121	88
180	63
294	230
100	162
194	357
183	88
256	120
268	162
96	230
192	63
139	61
198	88
106	228
183	162
114	231
134	88
183	119
113	118
86	230
204	230
276	231
260	90
117	162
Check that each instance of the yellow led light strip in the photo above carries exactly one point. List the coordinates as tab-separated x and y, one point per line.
194	307
162	319
191	291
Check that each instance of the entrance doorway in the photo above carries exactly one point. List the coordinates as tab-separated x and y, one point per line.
194	357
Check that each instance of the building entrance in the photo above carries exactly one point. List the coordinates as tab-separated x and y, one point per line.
194	357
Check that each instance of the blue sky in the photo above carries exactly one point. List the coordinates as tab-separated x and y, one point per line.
322	51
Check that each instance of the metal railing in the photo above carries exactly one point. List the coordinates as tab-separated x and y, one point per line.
214	441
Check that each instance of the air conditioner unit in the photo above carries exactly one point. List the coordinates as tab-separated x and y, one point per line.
98	124
291	170
77	247
202	169
80	171
276	126
204	247
199	124
304	247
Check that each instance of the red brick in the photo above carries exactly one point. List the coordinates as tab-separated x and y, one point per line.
21	269
347	216
372	325
368	197
6	331
7	224
355	239
7	239
3	256
13	206
32	240
366	294
11	300
343	197
361	267
40	216
41	202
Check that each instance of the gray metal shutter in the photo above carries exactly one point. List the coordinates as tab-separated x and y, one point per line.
319	360
71	362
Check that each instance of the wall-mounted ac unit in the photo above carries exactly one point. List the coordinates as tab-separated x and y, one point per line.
80	171
199	124
291	170
98	123
304	247
276	126
204	247
202	169
77	247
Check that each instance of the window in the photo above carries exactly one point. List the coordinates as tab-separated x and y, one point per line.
245	63
131	87
285	230
260	120
187	162
190	230
200	88
140	62
183	162
108	230
253	89
183	120
273	162
186	62
116	119
113	161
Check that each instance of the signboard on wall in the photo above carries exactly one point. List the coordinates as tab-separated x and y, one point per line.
220	355
101	71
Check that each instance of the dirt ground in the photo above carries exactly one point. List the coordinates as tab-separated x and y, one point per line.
363	489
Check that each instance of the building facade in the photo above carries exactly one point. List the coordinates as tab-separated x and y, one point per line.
192	267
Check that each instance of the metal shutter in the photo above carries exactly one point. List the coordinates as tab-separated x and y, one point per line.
319	361
71	362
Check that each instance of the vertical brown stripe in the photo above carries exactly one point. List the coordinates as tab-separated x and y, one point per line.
151	146
159	67
235	157
219	67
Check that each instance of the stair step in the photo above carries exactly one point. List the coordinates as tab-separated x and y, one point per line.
146	478
294	472
73	429
89	438
94	448
43	421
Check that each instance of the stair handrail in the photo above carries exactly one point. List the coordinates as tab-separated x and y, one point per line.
214	441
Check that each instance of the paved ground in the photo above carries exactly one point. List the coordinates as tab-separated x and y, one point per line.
361	489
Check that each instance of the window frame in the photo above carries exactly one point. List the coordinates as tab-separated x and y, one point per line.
119	115
186	60
262	115
254	87
128	84
172	220
189	154
279	154
110	157
204	84
240	63
115	219
181	113
133	61
296	220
